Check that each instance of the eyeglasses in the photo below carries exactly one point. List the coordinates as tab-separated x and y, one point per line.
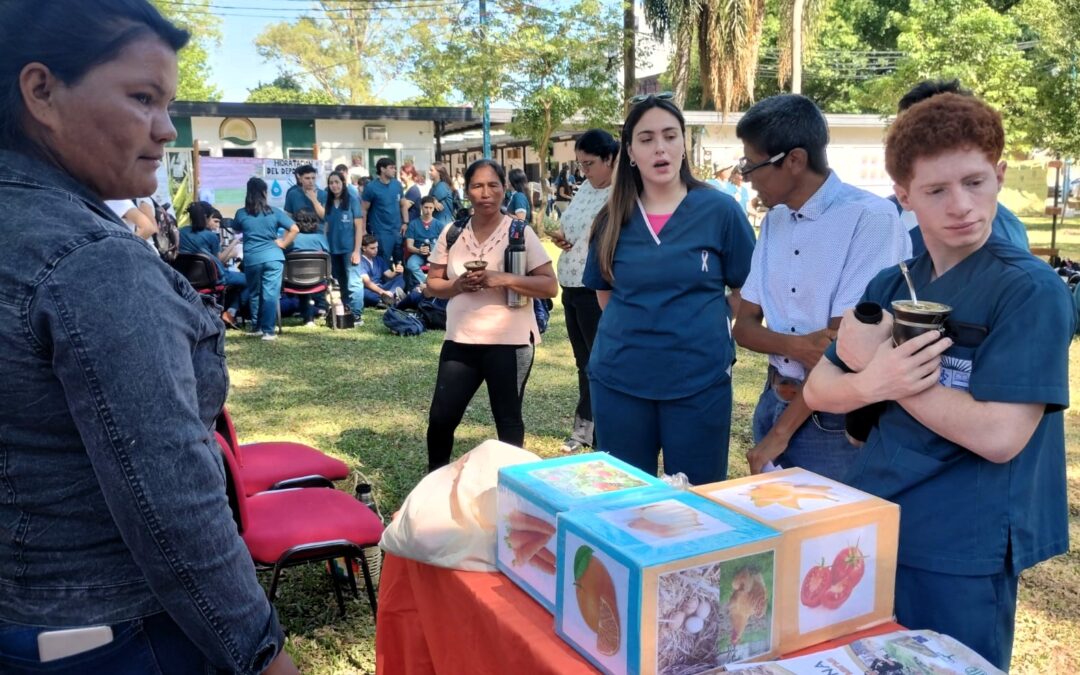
745	168
662	96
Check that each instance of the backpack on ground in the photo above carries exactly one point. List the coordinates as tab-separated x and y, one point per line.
401	322
433	313
167	238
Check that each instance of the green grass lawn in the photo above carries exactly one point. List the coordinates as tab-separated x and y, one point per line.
363	395
1068	234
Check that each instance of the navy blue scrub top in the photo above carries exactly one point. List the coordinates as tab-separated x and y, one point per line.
665	333
340	226
203	241
384	214
296	200
1013	321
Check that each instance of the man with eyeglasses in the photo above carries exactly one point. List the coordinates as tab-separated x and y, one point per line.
820	244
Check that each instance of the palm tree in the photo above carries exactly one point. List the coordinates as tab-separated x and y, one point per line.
728	37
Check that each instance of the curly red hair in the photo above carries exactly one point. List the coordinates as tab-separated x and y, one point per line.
939	124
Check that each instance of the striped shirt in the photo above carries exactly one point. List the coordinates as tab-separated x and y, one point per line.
813	263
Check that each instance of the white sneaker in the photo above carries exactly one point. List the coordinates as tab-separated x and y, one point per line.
269	336
253	333
310	324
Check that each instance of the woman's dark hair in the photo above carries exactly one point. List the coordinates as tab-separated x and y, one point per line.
306	221
783	123
255	200
627	184
200	213
345	196
495	166
71	37
599	143
518	180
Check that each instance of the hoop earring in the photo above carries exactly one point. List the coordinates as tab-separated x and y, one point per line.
633	163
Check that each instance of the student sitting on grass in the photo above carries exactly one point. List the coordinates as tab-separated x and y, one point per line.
374	279
420	239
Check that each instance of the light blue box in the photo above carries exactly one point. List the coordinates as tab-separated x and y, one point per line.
692	583
531	495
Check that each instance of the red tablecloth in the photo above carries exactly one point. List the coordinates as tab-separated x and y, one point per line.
438	620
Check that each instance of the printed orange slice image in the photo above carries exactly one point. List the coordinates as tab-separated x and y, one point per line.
595	593
783	493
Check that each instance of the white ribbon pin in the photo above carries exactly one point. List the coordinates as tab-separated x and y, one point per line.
704	261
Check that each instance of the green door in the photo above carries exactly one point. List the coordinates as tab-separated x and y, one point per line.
375	155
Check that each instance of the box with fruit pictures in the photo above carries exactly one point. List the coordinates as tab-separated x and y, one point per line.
531	495
669	585
838	555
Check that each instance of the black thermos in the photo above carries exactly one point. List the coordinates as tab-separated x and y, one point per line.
858	423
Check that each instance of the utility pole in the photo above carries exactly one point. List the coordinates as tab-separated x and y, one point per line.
487	98
796	47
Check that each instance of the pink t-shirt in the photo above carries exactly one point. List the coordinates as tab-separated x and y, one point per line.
483	317
657	221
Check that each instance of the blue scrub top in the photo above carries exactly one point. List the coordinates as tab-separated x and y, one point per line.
443	194
414	196
310	241
665	332
959	513
519	201
353	192
205	241
341	231
260	234
295	200
384	212
418	232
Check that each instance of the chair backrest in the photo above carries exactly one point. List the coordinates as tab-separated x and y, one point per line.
199	269
224	426
306	269
234	484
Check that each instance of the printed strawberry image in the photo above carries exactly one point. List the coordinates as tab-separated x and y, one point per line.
595	593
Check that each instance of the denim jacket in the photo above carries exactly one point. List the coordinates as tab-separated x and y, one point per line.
112	490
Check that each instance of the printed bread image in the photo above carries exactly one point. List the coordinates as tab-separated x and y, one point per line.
666	519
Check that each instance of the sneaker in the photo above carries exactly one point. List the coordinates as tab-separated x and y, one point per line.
572	447
309	324
358	320
253	333
269	336
399	294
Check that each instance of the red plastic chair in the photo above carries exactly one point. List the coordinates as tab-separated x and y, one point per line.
285	528
277	465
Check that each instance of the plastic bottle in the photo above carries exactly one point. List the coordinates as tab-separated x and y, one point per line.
372	554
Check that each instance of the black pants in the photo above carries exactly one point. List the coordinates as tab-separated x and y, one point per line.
582	317
462	367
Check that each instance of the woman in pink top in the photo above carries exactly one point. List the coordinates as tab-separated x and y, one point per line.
486	340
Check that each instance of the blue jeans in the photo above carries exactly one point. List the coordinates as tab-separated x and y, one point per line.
234	279
693	431
820	444
371	298
154	644
264	283
412	266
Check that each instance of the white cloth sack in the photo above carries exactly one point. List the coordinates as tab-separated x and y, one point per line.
448	519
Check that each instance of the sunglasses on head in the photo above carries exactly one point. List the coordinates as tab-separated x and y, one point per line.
662	96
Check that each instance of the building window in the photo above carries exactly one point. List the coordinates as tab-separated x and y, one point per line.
238	152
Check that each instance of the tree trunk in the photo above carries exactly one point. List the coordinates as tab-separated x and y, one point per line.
629	54
796	47
681	77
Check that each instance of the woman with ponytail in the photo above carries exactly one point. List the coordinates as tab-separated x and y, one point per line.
663	251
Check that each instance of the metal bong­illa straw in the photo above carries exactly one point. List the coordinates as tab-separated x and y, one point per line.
907	278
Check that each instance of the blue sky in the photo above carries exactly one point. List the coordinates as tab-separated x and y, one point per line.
236	67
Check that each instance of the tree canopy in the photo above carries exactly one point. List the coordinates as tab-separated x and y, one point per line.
194	60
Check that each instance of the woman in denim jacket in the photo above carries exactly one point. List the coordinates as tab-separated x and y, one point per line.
113	515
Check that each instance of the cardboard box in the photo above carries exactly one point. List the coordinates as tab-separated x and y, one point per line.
838	556
531	495
673	584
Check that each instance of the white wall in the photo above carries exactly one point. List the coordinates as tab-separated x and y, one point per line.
412	140
267	132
